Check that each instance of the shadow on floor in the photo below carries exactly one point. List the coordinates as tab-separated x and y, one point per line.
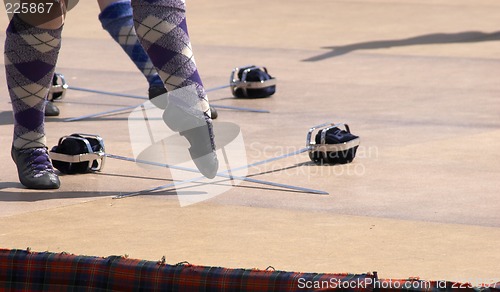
428	39
8	192
14	196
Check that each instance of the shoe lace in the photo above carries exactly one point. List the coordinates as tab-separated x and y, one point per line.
39	160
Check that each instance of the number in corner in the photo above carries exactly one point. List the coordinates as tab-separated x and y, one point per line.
32	8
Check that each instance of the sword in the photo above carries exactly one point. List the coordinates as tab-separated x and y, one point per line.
230	171
219	174
144	98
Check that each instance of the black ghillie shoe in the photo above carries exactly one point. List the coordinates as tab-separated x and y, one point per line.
35	168
51	110
197	128
202	148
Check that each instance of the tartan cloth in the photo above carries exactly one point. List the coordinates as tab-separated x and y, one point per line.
22	270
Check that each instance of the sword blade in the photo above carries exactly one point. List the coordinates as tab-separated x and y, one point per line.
269	160
219	174
196	179
245	109
130	95
106	92
118	110
217	88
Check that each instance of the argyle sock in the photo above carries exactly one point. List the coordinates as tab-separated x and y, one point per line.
117	20
162	30
30	57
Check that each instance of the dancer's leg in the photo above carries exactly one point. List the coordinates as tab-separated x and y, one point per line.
31	50
162	30
116	18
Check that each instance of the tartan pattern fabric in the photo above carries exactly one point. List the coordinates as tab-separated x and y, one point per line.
117	20
21	270
162	30
30	57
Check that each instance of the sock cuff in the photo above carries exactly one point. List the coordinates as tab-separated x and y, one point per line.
178	4
115	11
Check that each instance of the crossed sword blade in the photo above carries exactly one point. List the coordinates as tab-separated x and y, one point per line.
225	174
94	115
